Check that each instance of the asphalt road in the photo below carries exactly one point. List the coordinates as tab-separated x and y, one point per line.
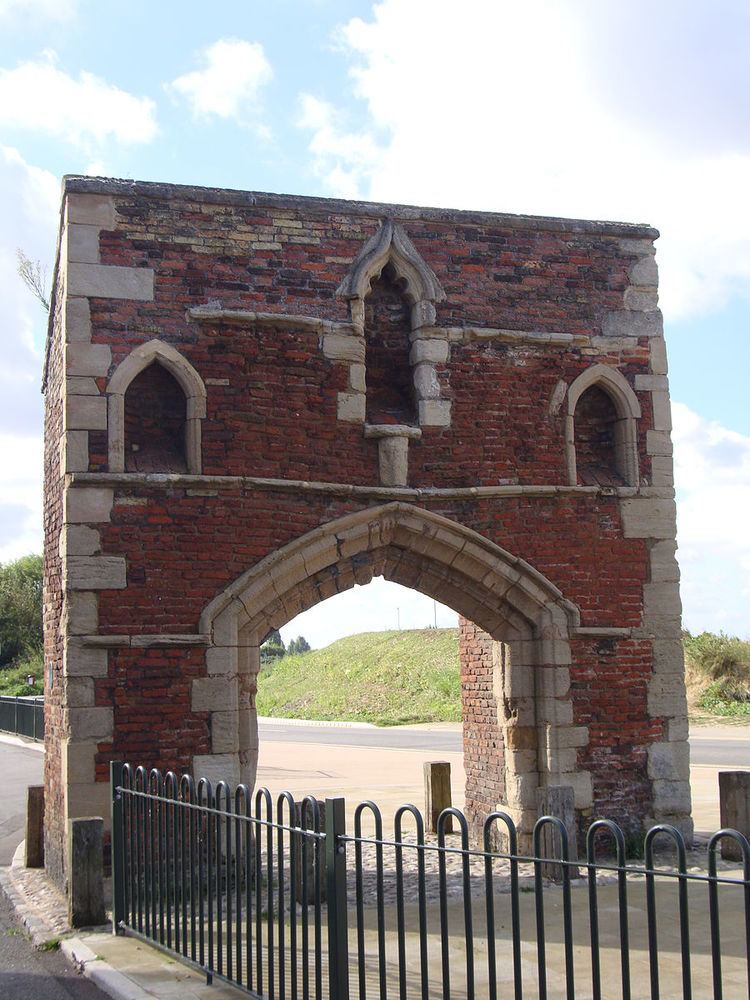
20	767
27	974
703	749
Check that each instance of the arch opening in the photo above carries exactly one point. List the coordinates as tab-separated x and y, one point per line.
390	386
596	440
601	438
155	422
518	615
166	373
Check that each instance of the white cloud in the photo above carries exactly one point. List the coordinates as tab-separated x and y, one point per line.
522	108
52	10
712	474
230	83
343	159
42	98
29	200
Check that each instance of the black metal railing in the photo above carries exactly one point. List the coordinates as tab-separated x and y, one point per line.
22	716
284	903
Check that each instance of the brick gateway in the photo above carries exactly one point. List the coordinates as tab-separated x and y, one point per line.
255	401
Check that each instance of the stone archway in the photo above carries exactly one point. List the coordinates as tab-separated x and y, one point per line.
503	595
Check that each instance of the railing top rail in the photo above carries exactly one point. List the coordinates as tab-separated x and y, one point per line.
528	859
222	813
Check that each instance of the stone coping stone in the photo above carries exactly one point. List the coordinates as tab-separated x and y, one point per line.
118	187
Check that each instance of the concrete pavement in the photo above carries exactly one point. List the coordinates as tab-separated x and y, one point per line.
391	776
386	764
22	765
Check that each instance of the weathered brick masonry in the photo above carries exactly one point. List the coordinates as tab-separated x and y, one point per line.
255	401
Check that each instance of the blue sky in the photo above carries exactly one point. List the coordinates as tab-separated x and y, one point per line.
639	112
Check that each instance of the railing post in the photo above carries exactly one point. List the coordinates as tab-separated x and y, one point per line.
118	846
338	937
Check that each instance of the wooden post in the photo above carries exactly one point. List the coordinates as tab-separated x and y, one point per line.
85	872
734	809
437	794
557	801
34	857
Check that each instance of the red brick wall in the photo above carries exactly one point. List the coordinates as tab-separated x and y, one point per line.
484	748
150	692
609	679
53	600
272	411
182	549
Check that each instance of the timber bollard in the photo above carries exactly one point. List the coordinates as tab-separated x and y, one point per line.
85	872
437	794
734	810
557	801
34	850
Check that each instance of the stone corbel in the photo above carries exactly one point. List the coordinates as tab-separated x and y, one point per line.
393	451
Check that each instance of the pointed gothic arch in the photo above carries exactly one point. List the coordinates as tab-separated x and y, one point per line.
391	245
612	382
504	595
139	359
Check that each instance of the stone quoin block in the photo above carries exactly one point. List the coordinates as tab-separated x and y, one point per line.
102	281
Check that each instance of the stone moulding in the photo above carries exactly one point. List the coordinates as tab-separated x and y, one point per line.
391	245
167	481
469	334
143	641
241	317
393	450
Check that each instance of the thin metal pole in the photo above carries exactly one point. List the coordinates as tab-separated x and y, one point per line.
118	852
338	938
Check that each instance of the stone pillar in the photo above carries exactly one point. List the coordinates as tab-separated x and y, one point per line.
557	801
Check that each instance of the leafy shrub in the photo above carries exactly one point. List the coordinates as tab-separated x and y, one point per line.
13	678
20	608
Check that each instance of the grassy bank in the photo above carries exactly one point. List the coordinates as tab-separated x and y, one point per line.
392	678
717	671
388	678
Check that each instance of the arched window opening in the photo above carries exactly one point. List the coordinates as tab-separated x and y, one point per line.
597	440
155	422
390	386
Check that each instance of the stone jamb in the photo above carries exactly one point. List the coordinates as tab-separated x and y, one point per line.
668	759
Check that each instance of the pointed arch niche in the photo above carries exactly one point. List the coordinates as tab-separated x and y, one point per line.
156	388
504	596
392	293
601	442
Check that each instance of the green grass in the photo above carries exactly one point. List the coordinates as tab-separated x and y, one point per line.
718	674
387	678
13	677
